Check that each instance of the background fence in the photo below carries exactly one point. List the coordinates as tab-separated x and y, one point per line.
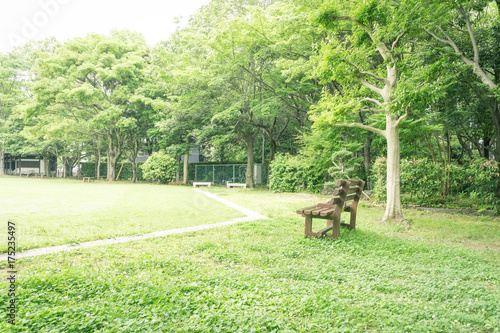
203	171
233	173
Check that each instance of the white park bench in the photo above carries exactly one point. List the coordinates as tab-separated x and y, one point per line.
202	184
229	185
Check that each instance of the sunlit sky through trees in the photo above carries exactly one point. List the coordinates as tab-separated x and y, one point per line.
65	19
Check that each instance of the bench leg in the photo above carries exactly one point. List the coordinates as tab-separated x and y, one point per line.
353	220
336	228
308	226
329	223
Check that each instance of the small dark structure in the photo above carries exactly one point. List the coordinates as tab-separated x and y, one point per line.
28	165
348	190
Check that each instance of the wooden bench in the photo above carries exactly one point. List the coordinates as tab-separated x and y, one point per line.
88	179
229	185
202	184
348	190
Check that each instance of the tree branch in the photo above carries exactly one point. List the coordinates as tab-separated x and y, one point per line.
442	40
401	118
365	108
380	46
371	87
378	78
271	89
373	100
471	33
282	129
362	72
452	43
474	63
362	126
395	43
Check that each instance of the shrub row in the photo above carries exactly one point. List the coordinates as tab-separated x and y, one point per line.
295	173
424	180
88	170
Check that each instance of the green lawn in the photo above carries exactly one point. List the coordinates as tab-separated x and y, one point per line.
441	275
56	211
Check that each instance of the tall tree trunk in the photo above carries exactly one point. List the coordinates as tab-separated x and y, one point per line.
272	150
134	171
46	166
65	166
177	174
393	210
465	146
2	169
249	142
135	152
69	168
486	147
367	154
98	165
113	154
109	177
185	177
495	112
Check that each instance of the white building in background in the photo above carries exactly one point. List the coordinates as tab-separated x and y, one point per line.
194	155
28	164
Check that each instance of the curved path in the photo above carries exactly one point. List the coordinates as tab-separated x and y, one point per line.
250	216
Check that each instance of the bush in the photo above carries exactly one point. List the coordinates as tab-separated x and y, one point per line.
422	179
160	167
295	173
379	175
425	182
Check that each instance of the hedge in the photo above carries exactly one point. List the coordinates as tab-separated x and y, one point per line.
425	182
295	173
88	170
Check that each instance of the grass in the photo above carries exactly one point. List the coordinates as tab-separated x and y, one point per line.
56	211
441	275
481	232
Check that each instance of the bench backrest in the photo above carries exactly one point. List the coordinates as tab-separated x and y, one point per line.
347	190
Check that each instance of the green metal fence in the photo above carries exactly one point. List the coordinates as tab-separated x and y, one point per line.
220	174
233	173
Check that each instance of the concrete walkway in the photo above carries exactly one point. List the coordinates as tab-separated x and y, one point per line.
250	216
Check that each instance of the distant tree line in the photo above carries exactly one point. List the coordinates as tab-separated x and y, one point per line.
399	79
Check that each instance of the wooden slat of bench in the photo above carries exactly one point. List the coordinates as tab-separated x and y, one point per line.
303	210
339	191
320	210
342	182
326	205
317	210
334	201
356	182
350	197
327	212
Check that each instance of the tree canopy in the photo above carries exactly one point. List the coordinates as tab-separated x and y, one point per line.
397	79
